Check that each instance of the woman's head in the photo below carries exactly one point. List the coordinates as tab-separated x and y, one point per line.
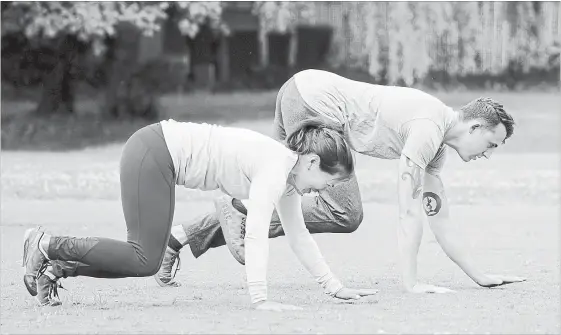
325	158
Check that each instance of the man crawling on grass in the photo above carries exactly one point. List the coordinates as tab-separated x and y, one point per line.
386	122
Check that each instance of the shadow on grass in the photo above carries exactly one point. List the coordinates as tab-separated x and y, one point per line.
536	114
61	133
23	130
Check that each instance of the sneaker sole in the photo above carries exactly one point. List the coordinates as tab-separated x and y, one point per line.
221	206
169	284
50	304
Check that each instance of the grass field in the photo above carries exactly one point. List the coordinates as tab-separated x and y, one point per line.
508	208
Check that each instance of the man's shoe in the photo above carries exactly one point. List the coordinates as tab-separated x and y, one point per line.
33	259
233	227
47	290
165	277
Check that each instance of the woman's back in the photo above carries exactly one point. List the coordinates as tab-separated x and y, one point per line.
209	157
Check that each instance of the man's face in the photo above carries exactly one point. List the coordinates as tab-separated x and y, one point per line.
311	178
316	180
480	141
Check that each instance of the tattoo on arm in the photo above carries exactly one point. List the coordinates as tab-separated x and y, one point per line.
431	203
415	176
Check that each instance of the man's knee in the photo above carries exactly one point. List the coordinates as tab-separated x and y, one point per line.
349	221
353	221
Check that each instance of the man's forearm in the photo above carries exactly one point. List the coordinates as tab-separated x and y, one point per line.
409	238
410	229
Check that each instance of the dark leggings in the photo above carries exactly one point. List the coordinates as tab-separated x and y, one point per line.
148	198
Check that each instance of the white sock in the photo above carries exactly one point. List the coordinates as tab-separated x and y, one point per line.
179	234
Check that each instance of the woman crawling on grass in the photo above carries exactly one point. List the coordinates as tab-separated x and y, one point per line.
241	163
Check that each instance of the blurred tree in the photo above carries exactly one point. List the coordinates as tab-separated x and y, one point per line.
466	19
531	41
282	17
403	42
70	27
202	25
131	89
407	54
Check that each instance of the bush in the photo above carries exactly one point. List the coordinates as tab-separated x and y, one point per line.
313	45
23	64
512	78
258	78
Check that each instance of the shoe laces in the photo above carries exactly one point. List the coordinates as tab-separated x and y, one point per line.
243	227
176	257
54	285
42	269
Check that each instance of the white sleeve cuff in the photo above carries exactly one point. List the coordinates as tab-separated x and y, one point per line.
257	291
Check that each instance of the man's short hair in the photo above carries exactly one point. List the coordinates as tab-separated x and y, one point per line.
491	112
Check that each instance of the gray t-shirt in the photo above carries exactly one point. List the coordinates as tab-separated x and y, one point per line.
381	121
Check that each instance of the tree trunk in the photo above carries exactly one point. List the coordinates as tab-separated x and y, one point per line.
120	71
128	94
263	44
57	96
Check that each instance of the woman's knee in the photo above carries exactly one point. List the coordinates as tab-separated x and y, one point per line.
147	269
144	265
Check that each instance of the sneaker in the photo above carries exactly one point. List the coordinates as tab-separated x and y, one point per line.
47	290
60	269
164	277
233	227
33	258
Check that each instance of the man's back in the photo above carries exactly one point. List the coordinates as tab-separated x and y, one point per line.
377	119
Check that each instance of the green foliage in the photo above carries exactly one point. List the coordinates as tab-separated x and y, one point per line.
281	16
71	29
193	14
404	42
95	21
396	42
88	21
